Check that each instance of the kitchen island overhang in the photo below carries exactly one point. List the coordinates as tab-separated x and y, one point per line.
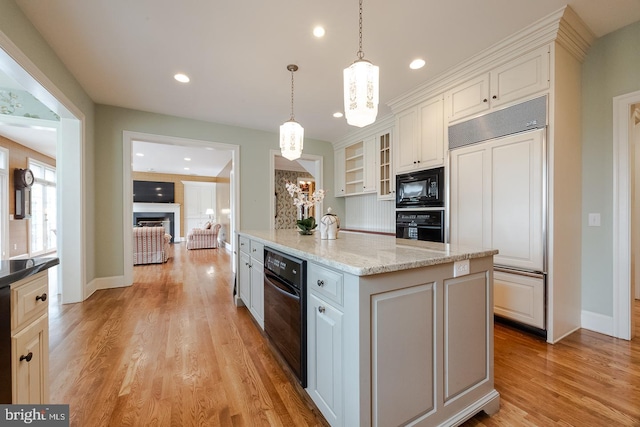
399	332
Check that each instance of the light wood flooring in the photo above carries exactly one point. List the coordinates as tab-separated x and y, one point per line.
172	350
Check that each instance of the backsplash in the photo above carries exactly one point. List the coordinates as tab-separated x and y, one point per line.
366	212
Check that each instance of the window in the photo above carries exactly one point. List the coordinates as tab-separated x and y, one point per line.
43	208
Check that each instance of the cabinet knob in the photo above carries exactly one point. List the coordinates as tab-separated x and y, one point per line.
42	297
494	97
485	100
320	282
418	161
414	162
28	357
321	309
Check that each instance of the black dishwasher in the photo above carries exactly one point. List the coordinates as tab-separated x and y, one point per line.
285	307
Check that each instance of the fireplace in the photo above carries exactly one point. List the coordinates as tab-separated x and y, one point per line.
155	219
165	214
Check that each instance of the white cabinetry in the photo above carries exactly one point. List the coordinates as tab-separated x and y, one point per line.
251	277
359	167
496	198
339	172
325	342
30	340
385	171
198	197
497	202
419	136
525	75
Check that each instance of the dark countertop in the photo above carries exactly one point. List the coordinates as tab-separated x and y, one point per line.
14	270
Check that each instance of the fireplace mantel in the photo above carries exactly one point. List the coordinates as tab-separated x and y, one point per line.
161	208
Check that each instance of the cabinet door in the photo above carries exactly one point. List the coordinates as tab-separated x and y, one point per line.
369	165
470	186
470	97
521	77
244	278
516	200
404	145
520	298
385	171
431	141
31	374
257	292
339	171
324	345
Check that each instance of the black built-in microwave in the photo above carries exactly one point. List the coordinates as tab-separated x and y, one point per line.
420	189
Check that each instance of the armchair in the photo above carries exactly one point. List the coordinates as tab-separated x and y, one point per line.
207	238
150	245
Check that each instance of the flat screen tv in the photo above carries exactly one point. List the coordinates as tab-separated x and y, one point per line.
153	192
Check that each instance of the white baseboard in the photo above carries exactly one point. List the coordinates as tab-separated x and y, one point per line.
597	322
106	283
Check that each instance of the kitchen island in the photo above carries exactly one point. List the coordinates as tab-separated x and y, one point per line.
399	332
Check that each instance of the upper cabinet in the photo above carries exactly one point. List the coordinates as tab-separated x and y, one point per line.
419	136
359	167
355	167
385	177
521	77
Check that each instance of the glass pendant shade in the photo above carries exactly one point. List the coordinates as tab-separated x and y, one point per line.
291	140
361	83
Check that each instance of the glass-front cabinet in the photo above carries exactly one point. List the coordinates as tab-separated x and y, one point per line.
386	177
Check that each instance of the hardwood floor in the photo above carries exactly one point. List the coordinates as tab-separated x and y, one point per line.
173	350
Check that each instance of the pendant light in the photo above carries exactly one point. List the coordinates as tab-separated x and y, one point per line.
361	88
291	133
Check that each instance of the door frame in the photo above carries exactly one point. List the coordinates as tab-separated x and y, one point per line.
318	168
127	190
622	298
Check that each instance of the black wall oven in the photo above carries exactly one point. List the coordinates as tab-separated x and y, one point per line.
420	189
420	225
285	308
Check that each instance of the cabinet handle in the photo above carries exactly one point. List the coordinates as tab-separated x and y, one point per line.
321	309
485	100
42	297
494	97
28	357
320	282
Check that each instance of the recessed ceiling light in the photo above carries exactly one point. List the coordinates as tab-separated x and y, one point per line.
188	159
318	31
416	64
182	78
186	169
338	115
139	154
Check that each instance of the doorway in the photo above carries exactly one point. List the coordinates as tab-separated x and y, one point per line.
309	167
71	220
128	139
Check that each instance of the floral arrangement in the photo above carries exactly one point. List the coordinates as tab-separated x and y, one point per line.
304	202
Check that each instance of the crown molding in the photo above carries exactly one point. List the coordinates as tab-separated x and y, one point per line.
381	125
563	25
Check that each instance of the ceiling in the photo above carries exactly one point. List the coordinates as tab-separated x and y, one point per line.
125	53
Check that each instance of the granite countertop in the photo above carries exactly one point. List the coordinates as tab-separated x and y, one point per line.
14	270
364	254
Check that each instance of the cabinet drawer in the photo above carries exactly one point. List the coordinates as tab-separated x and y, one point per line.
519	298
244	244
325	282
257	251
29	299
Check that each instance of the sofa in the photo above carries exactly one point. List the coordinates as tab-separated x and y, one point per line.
203	238
150	245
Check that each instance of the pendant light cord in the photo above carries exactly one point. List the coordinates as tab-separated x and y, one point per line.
360	52
292	117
